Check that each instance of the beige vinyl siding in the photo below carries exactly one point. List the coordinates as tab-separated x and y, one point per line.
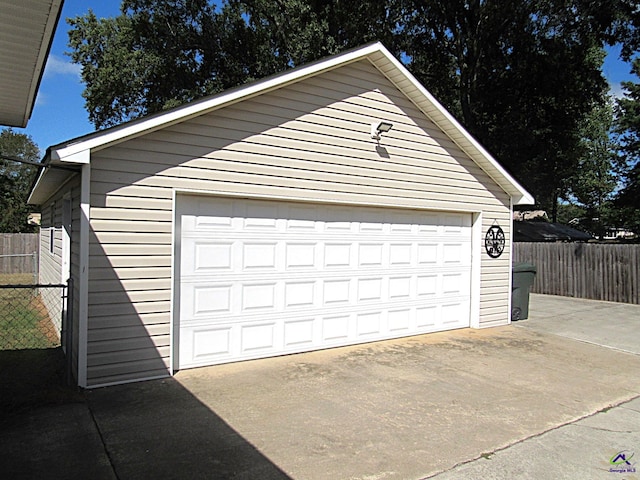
50	260
74	268
307	141
51	264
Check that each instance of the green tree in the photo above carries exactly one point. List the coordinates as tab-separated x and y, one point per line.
593	181
293	32
628	127
15	180
158	54
161	53
570	214
520	75
626	27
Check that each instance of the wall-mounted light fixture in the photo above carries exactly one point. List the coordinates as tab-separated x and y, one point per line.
380	127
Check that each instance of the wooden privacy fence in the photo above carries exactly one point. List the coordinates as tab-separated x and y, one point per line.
584	270
18	252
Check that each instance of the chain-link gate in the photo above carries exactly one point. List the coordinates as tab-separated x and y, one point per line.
35	333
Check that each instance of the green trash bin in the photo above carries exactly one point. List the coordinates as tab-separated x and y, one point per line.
523	276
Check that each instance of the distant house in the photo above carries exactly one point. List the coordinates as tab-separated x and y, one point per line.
333	204
618	234
536	231
522	215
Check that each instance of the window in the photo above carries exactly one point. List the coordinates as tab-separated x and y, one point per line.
52	239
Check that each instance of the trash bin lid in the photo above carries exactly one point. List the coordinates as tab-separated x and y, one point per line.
524	267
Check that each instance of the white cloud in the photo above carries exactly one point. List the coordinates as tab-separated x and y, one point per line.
615	90
41	99
57	65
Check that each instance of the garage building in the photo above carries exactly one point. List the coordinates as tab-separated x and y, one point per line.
333	204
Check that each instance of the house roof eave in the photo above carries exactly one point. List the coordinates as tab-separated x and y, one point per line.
376	53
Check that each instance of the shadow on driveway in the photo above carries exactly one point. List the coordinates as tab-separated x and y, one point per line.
399	409
157	429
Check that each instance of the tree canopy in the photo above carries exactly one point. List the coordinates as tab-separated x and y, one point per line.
628	127
15	180
521	76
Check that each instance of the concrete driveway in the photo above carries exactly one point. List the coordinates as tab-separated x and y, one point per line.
492	403
607	324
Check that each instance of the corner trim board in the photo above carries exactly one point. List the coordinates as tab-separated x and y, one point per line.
83	290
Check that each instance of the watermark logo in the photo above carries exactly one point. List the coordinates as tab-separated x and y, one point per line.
621	462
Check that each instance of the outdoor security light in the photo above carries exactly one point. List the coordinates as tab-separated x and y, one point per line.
380	127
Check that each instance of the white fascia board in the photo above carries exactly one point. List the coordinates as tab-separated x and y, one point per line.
41	61
48	181
223	99
81	157
420	97
37	183
473	148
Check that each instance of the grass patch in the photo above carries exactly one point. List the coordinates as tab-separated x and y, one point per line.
32	364
24	321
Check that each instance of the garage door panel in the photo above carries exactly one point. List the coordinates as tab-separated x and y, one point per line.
206	257
259	337
369	323
277	277
258	297
208	300
427	254
454	314
456	253
210	297
370	254
299	333
336	292
400	321
212	256
300	294
207	217
400	288
301	255
338	255
206	345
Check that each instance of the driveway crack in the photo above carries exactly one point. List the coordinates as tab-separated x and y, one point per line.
102	440
488	455
601	429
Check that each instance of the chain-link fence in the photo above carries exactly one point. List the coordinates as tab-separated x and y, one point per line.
33	332
31	316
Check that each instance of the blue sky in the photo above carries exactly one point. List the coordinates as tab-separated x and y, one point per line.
59	113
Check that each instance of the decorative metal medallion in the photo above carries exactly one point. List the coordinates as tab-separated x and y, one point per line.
494	241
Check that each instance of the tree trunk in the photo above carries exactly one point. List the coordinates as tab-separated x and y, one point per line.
554	207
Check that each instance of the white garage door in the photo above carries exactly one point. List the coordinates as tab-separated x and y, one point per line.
262	278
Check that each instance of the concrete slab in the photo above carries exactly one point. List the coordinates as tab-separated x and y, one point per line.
56	441
613	325
157	429
512	402
602	446
410	408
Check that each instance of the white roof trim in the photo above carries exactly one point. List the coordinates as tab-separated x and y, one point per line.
26	33
469	144
199	107
376	53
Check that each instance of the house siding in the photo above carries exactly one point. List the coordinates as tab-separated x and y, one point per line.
306	141
51	262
